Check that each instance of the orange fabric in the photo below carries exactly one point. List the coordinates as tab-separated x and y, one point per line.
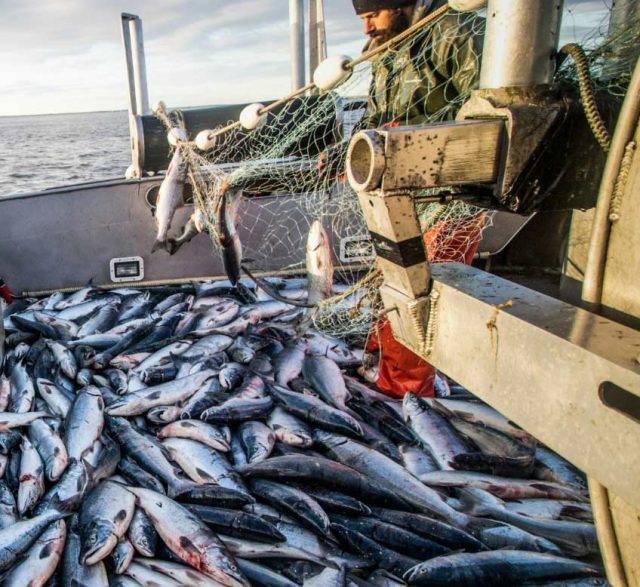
400	370
454	240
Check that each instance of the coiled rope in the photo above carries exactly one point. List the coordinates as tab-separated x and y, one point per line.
587	95
621	182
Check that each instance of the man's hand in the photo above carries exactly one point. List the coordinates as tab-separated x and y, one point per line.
322	163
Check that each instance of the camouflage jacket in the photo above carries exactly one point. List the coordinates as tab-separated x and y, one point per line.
422	79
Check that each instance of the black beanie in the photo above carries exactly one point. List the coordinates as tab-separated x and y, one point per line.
362	6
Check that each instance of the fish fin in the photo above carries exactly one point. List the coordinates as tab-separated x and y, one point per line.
353	414
473	502
572	511
176	489
59	505
442	409
89	468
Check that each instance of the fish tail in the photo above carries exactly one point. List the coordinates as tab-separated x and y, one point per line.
161	244
173	246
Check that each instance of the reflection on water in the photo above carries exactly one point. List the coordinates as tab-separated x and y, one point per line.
40	152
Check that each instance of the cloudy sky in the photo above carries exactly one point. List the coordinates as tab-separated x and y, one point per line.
67	56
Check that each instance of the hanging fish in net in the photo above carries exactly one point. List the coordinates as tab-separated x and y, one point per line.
319	264
194	226
171	192
169	198
228	238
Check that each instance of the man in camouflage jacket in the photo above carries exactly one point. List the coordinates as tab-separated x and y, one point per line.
416	82
422	80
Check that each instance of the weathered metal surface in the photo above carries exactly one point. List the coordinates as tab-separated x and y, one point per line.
296	24
520	44
63	238
550	155
443	154
621	290
615	285
408	318
541	362
133	42
396	234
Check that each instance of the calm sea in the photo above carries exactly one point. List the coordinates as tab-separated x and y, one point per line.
40	152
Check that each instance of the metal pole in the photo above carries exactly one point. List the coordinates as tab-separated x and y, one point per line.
312	19
322	32
139	66
624	14
296	19
317	38
521	43
628	120
126	41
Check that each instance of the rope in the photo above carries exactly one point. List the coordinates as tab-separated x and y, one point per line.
375	274
364	57
621	182
430	333
587	95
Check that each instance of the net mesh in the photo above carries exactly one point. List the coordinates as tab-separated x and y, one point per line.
301	150
611	40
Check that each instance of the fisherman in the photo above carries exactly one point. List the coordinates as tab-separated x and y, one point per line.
409	86
413	83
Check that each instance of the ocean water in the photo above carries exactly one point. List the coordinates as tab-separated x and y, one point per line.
46	151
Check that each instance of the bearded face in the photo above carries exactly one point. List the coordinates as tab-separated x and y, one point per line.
383	25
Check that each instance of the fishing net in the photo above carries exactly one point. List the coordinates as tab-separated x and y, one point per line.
611	41
301	150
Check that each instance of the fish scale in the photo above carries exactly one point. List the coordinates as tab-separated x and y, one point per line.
218	384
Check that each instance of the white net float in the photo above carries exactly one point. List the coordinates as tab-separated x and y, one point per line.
130	173
205	140
250	117
332	72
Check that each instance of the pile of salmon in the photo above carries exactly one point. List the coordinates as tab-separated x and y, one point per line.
198	435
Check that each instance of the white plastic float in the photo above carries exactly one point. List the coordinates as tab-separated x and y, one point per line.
332	72
251	117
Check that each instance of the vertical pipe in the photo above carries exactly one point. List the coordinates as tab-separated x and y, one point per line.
521	42
139	66
626	126
126	41
296	19
312	19
317	35
322	32
624	14
138	97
